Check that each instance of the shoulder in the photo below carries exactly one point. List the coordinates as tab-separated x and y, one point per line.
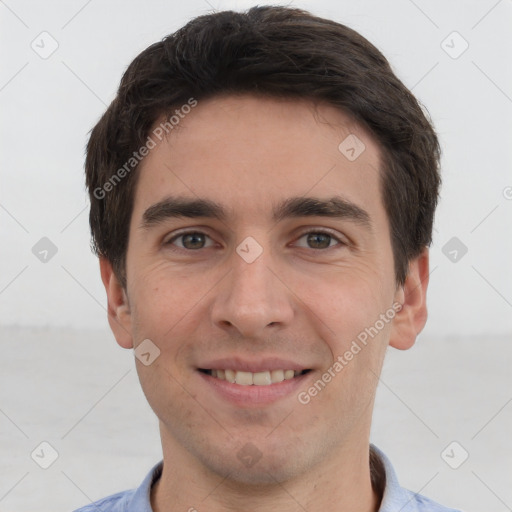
420	503
113	503
394	496
133	500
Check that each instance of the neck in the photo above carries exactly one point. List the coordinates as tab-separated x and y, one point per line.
341	483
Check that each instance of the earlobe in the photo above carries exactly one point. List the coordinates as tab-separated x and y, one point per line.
119	314
411	319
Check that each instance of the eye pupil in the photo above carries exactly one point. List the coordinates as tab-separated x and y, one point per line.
193	238
316	240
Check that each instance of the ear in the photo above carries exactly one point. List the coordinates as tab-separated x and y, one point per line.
411	319
119	315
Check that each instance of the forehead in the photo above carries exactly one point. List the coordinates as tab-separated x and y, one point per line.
250	153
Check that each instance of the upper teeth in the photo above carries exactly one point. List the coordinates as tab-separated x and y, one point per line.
259	378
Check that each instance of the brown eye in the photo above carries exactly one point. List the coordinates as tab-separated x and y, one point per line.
320	240
192	240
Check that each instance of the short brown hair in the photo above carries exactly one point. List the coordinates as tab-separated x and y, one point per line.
277	52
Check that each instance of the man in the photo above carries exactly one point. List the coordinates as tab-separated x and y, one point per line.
262	197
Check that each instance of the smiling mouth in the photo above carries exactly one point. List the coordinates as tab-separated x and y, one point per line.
265	378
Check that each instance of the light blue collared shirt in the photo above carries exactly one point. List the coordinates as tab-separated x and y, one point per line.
394	499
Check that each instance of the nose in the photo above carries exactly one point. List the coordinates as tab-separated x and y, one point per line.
253	298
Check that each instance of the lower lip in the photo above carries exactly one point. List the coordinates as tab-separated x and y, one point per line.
254	395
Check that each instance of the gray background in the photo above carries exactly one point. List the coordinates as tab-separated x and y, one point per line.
63	378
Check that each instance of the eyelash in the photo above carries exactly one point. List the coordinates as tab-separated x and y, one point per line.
340	244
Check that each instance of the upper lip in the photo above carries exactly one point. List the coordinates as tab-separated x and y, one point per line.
260	365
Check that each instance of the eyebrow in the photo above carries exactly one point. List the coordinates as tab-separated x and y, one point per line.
180	207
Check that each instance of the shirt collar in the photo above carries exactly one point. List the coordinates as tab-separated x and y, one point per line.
395	498
141	499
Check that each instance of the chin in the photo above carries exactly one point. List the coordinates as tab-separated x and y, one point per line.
249	465
262	473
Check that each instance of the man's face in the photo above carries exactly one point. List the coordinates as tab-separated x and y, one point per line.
254	290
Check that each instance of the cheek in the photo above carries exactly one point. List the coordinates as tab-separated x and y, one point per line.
347	311
169	303
345	302
158	301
